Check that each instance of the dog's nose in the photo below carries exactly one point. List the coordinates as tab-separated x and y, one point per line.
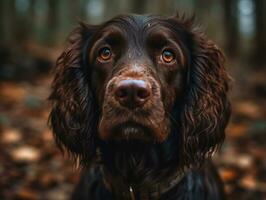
132	93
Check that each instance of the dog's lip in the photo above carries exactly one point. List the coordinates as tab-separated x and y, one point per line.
131	131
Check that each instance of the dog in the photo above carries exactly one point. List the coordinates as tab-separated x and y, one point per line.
141	103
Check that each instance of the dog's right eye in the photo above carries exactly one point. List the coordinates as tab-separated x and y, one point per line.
167	56
105	54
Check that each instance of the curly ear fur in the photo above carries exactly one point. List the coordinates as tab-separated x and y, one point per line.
73	115
206	108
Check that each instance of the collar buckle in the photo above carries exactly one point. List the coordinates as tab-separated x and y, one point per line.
132	195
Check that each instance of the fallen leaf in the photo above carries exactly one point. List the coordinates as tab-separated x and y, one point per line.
47	136
248	182
26	194
11	136
25	153
248	109
228	175
47	180
236	130
11	93
242	161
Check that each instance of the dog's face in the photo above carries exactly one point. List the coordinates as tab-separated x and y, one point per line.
138	70
140	78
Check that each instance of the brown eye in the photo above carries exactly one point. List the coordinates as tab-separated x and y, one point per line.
105	54
167	56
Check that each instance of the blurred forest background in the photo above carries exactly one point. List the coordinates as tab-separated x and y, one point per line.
32	35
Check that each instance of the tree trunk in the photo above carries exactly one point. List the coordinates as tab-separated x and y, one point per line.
231	27
138	6
2	16
260	34
52	20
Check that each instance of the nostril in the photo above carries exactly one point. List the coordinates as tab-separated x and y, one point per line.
121	92
143	93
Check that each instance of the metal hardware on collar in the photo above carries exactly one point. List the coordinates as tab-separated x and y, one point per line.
159	189
132	195
155	192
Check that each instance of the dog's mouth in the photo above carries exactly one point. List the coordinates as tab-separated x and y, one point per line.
131	131
147	124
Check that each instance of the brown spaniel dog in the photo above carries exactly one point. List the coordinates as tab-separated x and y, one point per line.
141	103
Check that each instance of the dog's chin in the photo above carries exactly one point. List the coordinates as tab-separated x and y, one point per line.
131	131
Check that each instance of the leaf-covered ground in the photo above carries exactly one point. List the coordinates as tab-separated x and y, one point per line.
31	167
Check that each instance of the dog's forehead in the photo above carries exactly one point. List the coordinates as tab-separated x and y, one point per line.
134	23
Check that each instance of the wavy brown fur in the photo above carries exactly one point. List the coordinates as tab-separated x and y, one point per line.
198	109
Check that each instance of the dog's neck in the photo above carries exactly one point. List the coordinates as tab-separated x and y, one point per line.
138	166
132	192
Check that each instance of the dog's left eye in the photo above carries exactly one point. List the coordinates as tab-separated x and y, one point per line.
167	56
105	54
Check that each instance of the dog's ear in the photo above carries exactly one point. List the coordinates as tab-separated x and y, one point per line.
73	117
206	107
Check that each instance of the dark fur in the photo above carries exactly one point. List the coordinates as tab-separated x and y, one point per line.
186	116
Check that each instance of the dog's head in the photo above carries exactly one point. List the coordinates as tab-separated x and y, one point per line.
138	78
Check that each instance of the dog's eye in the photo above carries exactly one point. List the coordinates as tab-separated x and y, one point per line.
167	56
105	53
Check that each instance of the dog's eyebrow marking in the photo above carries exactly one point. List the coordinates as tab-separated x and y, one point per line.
111	31
168	39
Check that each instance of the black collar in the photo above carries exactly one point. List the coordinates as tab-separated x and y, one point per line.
154	192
